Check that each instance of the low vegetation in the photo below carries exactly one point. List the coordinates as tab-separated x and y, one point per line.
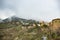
10	31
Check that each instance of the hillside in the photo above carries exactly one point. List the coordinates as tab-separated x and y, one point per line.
16	28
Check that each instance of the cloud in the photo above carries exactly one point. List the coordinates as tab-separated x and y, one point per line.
38	9
31	9
6	13
6	8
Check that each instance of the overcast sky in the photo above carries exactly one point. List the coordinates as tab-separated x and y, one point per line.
30	9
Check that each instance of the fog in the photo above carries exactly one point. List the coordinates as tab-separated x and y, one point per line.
30	9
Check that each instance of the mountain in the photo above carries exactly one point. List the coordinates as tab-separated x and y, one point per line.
14	18
7	20
17	19
1	20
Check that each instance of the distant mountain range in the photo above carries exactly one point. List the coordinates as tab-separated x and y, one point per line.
14	18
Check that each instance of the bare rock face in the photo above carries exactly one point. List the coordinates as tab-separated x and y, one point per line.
56	24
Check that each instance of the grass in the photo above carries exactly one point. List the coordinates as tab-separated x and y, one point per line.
17	33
